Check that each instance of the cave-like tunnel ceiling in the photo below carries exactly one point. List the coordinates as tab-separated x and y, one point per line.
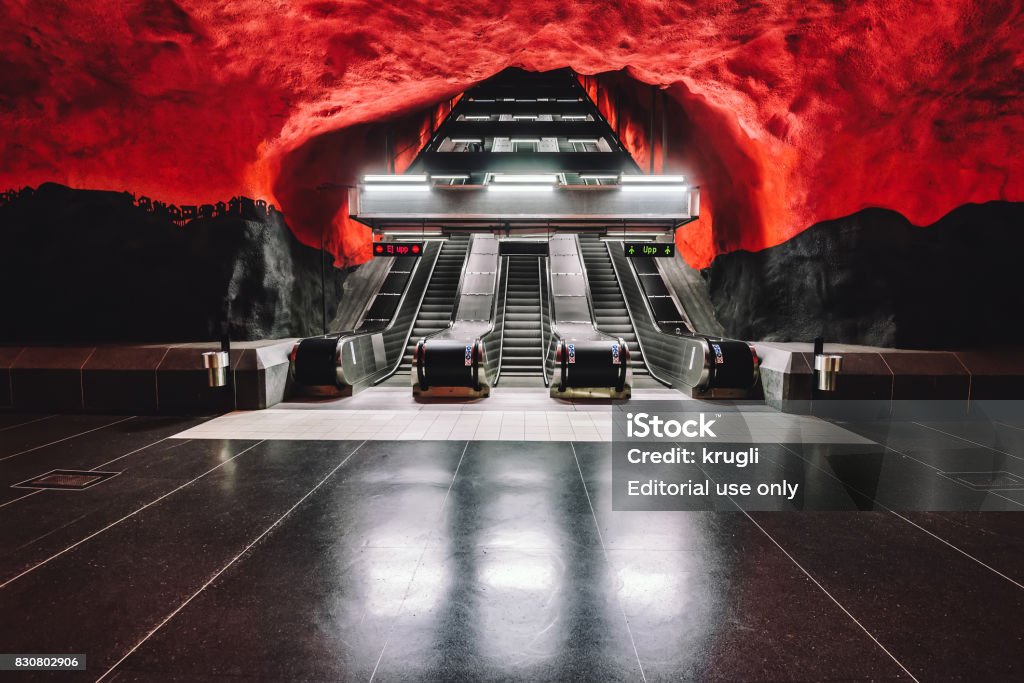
786	114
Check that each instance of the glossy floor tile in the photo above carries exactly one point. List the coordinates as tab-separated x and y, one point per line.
479	559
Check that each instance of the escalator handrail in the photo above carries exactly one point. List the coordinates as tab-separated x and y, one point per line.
462	279
549	351
540	321
458	288
586	285
502	283
629	311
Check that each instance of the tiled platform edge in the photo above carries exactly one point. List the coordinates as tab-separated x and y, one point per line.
141	379
878	374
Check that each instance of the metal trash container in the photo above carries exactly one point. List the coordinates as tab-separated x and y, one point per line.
828	369
217	364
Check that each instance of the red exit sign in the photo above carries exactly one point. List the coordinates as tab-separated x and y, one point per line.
383	249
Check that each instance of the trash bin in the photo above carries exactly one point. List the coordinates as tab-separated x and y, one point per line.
217	364
828	369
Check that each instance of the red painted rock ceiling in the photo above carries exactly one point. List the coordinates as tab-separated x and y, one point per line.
786	113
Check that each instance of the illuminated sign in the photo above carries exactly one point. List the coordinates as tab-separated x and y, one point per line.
659	249
384	249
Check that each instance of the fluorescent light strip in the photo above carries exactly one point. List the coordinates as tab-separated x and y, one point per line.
449	177
477	140
572	140
598	176
652	179
537	140
411	178
524	178
654	188
398	187
521	188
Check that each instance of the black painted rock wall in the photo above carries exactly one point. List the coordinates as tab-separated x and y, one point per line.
873	278
87	266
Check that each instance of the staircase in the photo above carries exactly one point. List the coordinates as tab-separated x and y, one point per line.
610	311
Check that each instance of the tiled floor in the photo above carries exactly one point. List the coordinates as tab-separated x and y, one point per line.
509	414
467	560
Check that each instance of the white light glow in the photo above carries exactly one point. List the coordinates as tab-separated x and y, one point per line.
449	177
397	187
598	176
525	178
467	140
410	178
679	189
521	188
572	140
640	179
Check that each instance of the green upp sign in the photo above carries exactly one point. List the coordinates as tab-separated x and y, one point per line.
635	249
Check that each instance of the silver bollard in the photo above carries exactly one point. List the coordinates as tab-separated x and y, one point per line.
217	364
828	368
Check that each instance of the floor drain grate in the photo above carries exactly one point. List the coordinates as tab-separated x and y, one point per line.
70	480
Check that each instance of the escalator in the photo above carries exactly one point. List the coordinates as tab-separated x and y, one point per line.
610	313
521	351
435	312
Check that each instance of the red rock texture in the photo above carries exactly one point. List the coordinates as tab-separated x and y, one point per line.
786	113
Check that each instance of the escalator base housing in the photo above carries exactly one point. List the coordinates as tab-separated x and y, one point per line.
450	392
591	392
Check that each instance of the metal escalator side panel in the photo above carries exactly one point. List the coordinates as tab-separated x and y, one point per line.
439	295
494	339
540	312
697	361
451	358
315	361
547	334
733	364
664	362
608	301
343	359
395	337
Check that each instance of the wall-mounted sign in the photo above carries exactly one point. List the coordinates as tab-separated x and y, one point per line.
660	249
383	249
